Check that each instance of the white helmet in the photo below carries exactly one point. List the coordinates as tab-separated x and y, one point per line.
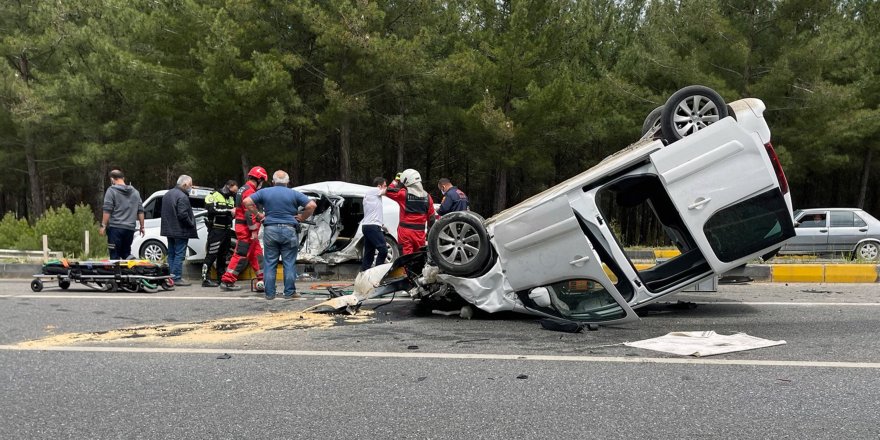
410	176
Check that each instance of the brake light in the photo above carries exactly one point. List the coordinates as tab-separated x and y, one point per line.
777	167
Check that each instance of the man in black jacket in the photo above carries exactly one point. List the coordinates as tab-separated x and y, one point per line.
220	205
178	226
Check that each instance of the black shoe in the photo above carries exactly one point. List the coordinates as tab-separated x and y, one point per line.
209	283
293	295
270	297
183	283
229	287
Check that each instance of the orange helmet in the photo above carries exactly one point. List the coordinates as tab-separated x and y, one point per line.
258	173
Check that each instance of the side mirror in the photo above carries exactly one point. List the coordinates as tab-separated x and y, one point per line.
541	296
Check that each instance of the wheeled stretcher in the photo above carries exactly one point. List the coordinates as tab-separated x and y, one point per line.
106	275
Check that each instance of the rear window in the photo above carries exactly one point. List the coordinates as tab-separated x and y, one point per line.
842	219
749	226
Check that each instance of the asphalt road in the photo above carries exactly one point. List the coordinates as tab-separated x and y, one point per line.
407	374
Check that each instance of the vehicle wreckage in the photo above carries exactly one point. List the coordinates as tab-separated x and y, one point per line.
705	169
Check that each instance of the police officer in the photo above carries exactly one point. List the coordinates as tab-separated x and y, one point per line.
220	205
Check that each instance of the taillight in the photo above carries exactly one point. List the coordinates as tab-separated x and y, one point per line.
777	167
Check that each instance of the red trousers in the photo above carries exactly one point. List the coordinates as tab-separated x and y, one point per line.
410	239
247	250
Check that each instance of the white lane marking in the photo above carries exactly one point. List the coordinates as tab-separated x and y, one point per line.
790	303
461	356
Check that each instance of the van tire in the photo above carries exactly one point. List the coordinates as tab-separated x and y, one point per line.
689	110
459	244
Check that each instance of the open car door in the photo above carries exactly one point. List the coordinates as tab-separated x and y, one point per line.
551	264
323	228
723	186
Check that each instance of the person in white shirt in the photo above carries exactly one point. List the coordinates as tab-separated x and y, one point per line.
375	250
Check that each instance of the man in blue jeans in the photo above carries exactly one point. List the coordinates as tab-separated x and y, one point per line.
371	226
280	219
178	226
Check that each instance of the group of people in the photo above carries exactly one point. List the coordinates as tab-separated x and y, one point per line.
416	213
278	210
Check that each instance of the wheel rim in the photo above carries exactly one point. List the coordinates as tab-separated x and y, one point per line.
868	251
694	113
154	252
458	243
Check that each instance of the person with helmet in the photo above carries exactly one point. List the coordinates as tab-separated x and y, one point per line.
247	226
220	205
416	209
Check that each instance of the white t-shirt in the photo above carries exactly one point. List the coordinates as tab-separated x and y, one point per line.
372	208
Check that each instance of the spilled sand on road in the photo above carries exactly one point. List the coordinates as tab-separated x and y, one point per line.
215	330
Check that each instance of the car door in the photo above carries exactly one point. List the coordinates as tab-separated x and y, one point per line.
546	246
812	233
846	229
320	232
721	182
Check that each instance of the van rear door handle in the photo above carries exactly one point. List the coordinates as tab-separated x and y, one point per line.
823	230
863	230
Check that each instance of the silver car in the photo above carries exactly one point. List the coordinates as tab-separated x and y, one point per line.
835	230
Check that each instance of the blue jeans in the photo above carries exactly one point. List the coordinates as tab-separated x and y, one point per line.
374	240
176	255
119	242
279	240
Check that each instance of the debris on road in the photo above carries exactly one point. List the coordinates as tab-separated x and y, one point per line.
215	330
706	343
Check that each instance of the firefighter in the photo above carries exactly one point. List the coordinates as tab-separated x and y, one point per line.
247	248
220	205
416	209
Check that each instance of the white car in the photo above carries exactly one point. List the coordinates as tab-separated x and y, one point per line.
335	235
706	170
153	246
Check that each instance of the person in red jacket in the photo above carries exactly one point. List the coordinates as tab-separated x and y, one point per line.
416	209
247	248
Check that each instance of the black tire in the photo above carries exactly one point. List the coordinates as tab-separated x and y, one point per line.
459	244
37	285
153	250
868	251
652	122
109	286
690	110
64	284
167	284
393	249
129	286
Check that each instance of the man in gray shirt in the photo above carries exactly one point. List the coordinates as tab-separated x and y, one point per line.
123	209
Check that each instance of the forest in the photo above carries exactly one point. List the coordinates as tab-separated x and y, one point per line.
504	97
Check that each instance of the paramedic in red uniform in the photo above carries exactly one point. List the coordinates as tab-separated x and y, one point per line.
416	209
247	248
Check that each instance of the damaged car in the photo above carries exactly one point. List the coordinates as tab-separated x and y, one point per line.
706	170
333	234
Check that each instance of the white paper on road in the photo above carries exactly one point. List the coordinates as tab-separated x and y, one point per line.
705	343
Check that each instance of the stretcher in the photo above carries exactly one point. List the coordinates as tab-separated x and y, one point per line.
105	275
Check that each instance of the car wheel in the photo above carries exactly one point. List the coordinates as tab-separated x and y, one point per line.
154	251
393	249
652	122
458	243
869	250
37	285
689	110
